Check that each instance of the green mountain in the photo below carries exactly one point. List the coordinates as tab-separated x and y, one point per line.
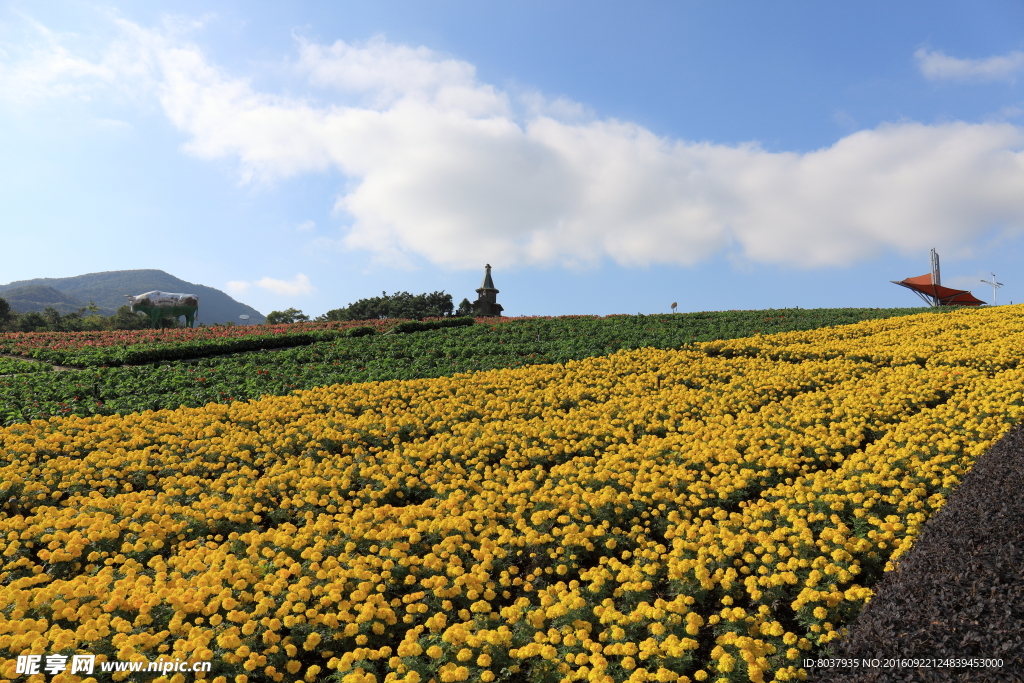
38	297
108	291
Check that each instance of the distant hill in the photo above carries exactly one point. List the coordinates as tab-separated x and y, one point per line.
108	291
38	297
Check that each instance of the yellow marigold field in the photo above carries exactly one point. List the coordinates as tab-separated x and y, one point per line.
711	513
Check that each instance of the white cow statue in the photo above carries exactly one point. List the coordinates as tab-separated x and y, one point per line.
157	305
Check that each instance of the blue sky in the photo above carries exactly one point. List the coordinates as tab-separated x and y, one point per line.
603	157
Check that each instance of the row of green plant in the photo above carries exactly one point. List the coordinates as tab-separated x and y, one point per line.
134	347
11	366
378	357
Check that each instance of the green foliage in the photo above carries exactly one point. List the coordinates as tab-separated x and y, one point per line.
52	320
120	347
11	366
361	331
379	357
291	315
134	354
29	322
416	326
398	305
127	319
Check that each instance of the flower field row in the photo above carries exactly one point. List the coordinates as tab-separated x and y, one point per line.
711	513
510	342
129	347
120	347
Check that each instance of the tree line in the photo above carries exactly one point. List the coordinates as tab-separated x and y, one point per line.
401	305
84	319
52	320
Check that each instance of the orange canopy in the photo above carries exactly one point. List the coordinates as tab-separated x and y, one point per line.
942	296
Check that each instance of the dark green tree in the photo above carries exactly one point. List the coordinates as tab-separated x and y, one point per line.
465	308
291	315
127	319
33	321
398	305
6	314
53	318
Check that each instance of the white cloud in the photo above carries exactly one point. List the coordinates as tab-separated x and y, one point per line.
306	226
458	184
237	287
299	286
385	73
444	168
1008	112
844	120
43	66
936	65
561	108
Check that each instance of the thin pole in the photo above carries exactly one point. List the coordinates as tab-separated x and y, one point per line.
995	289
936	276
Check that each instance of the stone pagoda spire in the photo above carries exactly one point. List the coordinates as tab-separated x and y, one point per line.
486	303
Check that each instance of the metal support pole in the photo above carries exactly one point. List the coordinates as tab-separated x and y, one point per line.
995	288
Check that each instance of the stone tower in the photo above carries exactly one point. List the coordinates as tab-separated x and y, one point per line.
486	303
